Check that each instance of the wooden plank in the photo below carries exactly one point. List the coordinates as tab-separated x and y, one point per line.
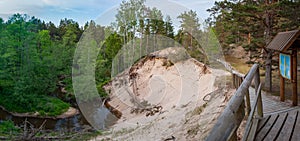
288	127
263	122
266	129
296	135
269	104
253	130
274	132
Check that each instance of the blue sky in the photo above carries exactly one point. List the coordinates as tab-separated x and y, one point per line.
99	10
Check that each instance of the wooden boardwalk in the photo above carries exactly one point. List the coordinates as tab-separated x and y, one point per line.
280	127
281	122
271	105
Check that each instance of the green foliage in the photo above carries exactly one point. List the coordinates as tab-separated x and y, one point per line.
190	35
8	127
112	45
252	24
100	89
30	103
33	58
135	17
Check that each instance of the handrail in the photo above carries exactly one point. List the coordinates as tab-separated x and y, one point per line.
233	114
249	120
230	68
237	79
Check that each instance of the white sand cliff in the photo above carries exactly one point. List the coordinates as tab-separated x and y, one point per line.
167	95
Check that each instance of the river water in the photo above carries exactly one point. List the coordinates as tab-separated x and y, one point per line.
99	115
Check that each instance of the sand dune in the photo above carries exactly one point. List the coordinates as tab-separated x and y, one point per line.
167	95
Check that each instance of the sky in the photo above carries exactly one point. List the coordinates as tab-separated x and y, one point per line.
102	11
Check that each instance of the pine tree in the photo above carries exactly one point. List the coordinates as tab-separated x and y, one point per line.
190	27
253	24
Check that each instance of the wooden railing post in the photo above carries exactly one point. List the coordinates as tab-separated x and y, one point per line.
233	80
258	91
251	126
231	117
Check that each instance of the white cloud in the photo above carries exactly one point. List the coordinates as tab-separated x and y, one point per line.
85	10
9	7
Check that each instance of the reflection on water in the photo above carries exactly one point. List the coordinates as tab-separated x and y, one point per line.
100	115
73	123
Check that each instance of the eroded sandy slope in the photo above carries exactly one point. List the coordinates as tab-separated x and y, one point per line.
167	95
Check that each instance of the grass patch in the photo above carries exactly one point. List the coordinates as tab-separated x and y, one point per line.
8	128
44	105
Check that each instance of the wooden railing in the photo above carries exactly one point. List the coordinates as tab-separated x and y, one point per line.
237	79
232	116
251	124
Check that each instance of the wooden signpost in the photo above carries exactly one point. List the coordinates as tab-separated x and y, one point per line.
287	43
284	72
294	77
288	70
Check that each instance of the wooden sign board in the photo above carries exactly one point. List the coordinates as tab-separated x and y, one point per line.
285	65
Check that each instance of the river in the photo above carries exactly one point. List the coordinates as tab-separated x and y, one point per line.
99	114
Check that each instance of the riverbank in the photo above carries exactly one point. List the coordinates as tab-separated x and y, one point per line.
8	131
69	113
70	125
42	105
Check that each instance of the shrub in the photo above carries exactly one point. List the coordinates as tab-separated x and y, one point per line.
8	127
43	104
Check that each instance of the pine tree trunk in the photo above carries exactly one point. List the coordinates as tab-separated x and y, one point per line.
268	73
268	63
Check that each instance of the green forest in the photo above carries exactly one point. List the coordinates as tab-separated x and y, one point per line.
36	57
